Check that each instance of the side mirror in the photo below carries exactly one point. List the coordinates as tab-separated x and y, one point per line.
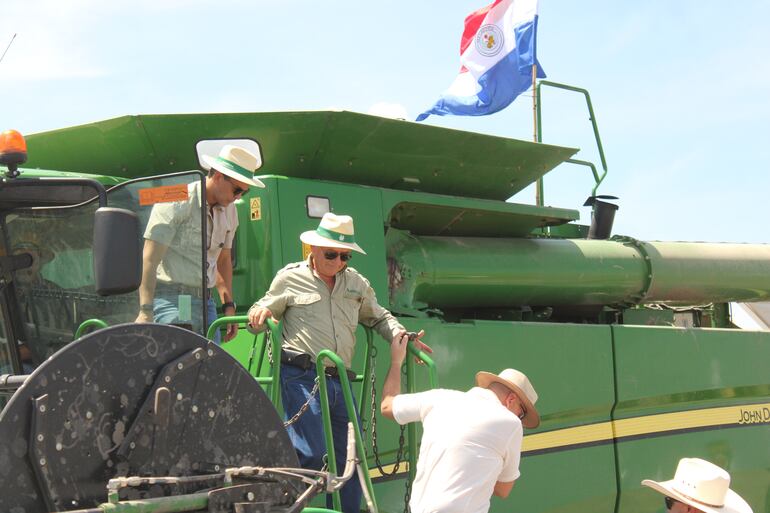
117	251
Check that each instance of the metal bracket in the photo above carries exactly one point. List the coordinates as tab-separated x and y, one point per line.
155	414
639	246
37	452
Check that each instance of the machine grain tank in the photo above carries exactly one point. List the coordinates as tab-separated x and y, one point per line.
628	342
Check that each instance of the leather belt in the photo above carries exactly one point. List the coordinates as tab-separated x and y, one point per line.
305	362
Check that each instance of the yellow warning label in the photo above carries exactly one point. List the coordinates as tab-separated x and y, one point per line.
163	194
255	204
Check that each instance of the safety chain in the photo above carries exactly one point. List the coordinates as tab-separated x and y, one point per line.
269	342
305	406
407	495
373	422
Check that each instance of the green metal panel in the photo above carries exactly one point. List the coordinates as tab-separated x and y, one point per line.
571	368
431	214
664	370
340	146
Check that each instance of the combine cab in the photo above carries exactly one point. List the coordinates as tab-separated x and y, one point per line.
629	343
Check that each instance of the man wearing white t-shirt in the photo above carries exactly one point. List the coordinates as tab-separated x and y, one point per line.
471	442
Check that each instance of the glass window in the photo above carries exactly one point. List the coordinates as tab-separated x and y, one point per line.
56	294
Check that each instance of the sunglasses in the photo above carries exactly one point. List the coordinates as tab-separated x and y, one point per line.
237	191
331	255
669	502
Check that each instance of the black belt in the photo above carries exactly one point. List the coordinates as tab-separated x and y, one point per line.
176	289
305	362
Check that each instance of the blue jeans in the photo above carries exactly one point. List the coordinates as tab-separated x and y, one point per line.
166	311
307	434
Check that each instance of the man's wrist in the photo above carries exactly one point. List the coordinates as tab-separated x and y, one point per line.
146	307
228	304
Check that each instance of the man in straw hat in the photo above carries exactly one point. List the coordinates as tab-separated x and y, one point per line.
171	278
471	441
699	487
321	301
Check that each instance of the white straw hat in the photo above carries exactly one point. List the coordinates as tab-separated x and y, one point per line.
519	384
236	163
333	232
702	485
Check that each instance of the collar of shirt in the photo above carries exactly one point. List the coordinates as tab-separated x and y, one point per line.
486	394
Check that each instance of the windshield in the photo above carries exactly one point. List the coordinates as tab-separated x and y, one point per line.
56	293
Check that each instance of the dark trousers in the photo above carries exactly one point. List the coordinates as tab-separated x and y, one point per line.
307	434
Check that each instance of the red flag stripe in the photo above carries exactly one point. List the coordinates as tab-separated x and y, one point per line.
472	24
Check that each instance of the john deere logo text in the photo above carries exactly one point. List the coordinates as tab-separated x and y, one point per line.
754	415
489	40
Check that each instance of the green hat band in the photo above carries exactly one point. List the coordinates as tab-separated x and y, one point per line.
232	166
340	237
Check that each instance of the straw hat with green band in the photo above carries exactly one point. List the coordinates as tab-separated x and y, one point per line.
237	163
333	232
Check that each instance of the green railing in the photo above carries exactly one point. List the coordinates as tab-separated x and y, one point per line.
592	117
347	394
258	350
411	428
90	323
273	337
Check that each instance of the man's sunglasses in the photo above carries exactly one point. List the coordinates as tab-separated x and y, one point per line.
331	255
669	502
237	191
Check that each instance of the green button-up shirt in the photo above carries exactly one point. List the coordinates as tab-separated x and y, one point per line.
316	318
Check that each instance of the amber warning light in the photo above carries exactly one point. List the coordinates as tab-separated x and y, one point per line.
13	151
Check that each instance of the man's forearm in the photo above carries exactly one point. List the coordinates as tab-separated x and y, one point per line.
391	389
147	288
224	277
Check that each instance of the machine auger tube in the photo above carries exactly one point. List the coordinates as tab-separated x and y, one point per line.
462	272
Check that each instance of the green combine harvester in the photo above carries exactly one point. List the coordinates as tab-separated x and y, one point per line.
628	342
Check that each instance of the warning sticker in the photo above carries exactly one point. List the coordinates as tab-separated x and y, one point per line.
163	194
255	205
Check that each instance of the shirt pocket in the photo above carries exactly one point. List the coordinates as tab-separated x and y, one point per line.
305	308
351	306
306	299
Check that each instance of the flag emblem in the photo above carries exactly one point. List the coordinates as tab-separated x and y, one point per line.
489	40
497	56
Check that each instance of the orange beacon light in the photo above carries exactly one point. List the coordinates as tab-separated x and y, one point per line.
13	151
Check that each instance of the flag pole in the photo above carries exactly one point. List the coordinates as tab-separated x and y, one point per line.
534	104
539	183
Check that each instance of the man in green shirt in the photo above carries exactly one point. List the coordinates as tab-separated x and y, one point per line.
321	301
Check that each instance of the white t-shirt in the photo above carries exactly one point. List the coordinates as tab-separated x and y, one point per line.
470	441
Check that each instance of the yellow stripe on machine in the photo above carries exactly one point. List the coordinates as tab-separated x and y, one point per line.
728	416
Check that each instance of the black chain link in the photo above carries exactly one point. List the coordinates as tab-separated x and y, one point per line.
401	438
304	407
269	342
313	392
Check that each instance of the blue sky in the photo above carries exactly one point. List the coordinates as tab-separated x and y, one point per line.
681	89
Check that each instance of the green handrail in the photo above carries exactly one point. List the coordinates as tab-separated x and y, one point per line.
327	422
411	388
592	117
367	376
429	363
275	339
88	324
